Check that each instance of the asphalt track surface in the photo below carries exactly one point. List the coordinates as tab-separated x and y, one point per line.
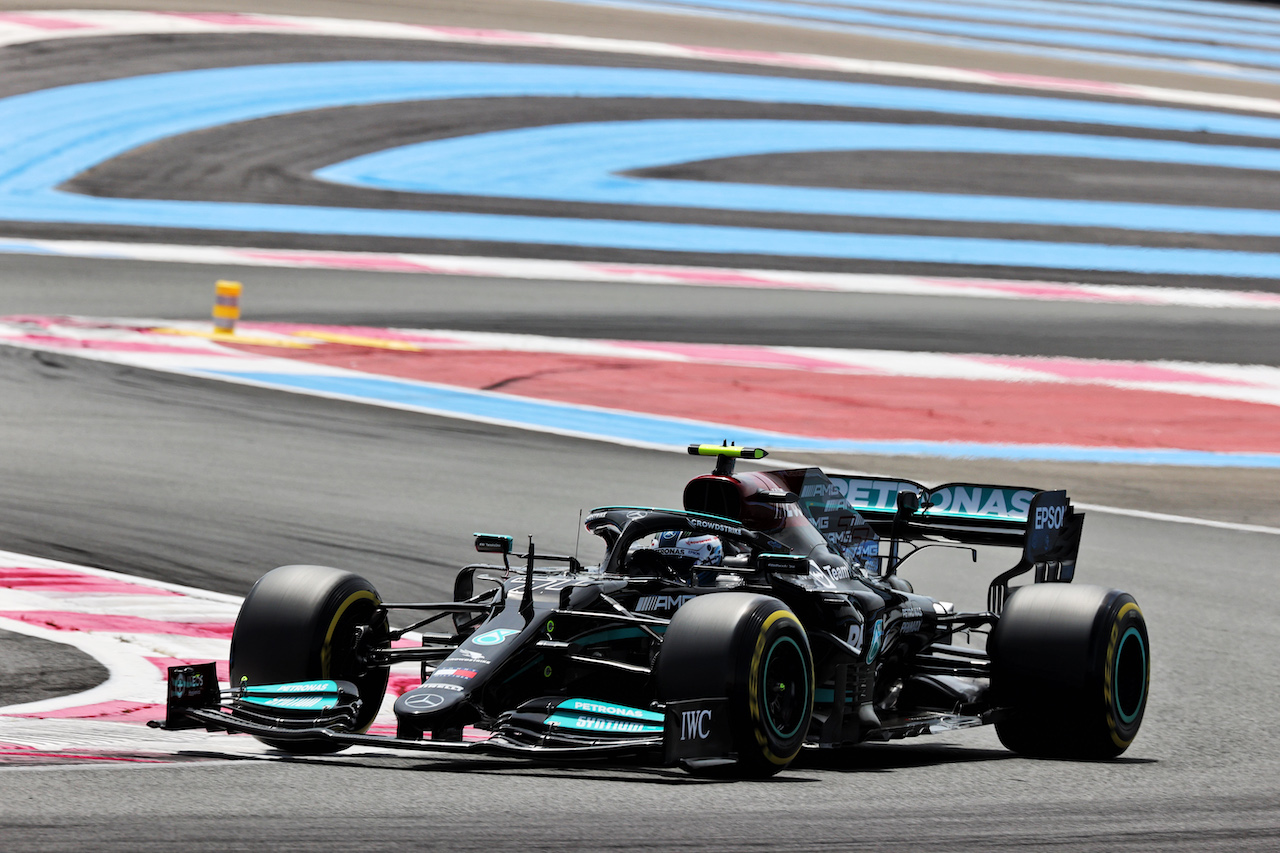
210	484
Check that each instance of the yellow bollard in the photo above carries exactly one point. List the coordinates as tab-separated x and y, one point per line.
226	307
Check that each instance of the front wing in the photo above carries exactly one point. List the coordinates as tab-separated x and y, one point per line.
553	727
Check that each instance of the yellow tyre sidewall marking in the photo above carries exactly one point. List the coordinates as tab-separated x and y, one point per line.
753	689
326	651
1109	669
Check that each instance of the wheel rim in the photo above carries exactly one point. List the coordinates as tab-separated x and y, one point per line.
347	660
786	688
1130	676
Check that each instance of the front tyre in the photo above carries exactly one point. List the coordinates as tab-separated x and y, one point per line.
300	623
1072	666
753	651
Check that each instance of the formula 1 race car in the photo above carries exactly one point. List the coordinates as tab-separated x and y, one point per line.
766	616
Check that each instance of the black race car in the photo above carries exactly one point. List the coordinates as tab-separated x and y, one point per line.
766	616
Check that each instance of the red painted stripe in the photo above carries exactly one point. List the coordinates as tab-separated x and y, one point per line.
842	405
61	580
60	620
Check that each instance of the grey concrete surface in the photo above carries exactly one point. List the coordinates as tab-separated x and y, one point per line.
114	288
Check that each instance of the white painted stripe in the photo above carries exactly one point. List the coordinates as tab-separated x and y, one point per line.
25	27
532	269
1181	519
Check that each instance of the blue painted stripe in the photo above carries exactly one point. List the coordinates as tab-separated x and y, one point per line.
1182	66
1087	21
583	162
1251	11
49	137
16	247
1094	16
1038	35
653	430
659	237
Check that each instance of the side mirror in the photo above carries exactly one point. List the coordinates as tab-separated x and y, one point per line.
908	502
783	564
492	543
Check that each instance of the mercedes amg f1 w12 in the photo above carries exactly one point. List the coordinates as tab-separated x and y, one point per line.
766	616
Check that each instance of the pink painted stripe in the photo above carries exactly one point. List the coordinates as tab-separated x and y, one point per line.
163	664
357	331
1106	371
398	684
760	57
54	342
41	22
232	19
1041	290
509	36
116	709
61	620
469	734
710	277
20	752
343	260
744	355
1035	81
61	580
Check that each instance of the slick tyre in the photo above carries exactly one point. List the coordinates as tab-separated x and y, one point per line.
753	651
1071	665
302	622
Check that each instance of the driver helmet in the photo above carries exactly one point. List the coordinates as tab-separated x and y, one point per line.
700	549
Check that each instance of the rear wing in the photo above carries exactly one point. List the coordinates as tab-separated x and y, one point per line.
1043	524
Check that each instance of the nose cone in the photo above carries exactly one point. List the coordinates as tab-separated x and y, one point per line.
431	707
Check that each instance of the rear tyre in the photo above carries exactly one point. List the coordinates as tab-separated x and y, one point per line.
1072	665
300	623
754	651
